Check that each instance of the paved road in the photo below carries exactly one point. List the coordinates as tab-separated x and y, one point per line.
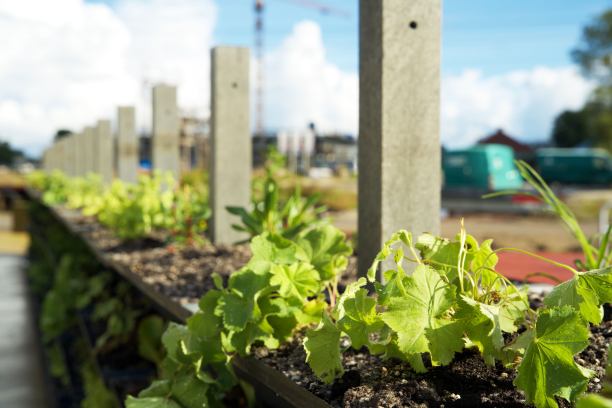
21	378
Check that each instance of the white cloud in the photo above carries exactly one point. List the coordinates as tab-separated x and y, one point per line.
170	42
58	67
524	103
67	63
303	86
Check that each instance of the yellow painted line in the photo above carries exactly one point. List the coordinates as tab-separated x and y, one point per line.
14	243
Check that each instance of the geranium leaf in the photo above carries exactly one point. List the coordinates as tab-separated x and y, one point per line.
322	347
548	368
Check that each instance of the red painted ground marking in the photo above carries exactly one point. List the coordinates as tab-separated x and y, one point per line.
518	266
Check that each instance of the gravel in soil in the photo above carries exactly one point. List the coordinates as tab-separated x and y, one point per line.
369	381
183	273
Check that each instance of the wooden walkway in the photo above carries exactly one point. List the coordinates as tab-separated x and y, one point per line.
21	374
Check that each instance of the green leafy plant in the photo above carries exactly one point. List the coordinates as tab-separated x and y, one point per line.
150	347
119	316
189	215
281	289
455	299
97	395
85	193
134	211
154	203
269	213
54	186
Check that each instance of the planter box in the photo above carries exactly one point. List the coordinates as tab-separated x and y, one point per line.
272	388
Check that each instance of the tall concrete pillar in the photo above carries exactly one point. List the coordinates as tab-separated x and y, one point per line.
104	151
399	114
69	154
49	159
80	165
59	156
44	160
231	143
127	144
89	150
165	150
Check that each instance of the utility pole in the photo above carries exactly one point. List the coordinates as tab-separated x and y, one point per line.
259	55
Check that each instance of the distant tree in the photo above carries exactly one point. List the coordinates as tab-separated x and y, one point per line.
570	129
599	117
592	124
594	53
8	155
61	133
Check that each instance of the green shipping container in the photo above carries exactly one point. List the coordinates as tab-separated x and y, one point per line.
575	166
482	167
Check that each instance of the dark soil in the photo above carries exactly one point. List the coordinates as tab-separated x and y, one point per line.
369	381
181	272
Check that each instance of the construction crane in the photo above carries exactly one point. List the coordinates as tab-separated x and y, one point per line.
259	50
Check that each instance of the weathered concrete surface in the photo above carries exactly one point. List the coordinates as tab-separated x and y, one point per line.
70	155
127	144
230	164
79	159
89	151
399	147
165	144
104	151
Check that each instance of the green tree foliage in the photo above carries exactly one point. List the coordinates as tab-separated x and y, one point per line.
8	155
594	53
570	128
592	124
62	133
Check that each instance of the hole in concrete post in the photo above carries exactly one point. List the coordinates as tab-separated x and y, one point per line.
413	25
234	85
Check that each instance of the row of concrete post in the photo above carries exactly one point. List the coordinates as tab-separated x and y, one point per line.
96	150
399	148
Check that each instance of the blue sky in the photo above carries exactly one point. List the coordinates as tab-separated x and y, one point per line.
491	35
505	64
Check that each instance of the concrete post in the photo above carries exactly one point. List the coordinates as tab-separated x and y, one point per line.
80	165
44	160
293	149
49	159
59	156
89	151
399	114
231	143
69	154
104	144
165	151
127	144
